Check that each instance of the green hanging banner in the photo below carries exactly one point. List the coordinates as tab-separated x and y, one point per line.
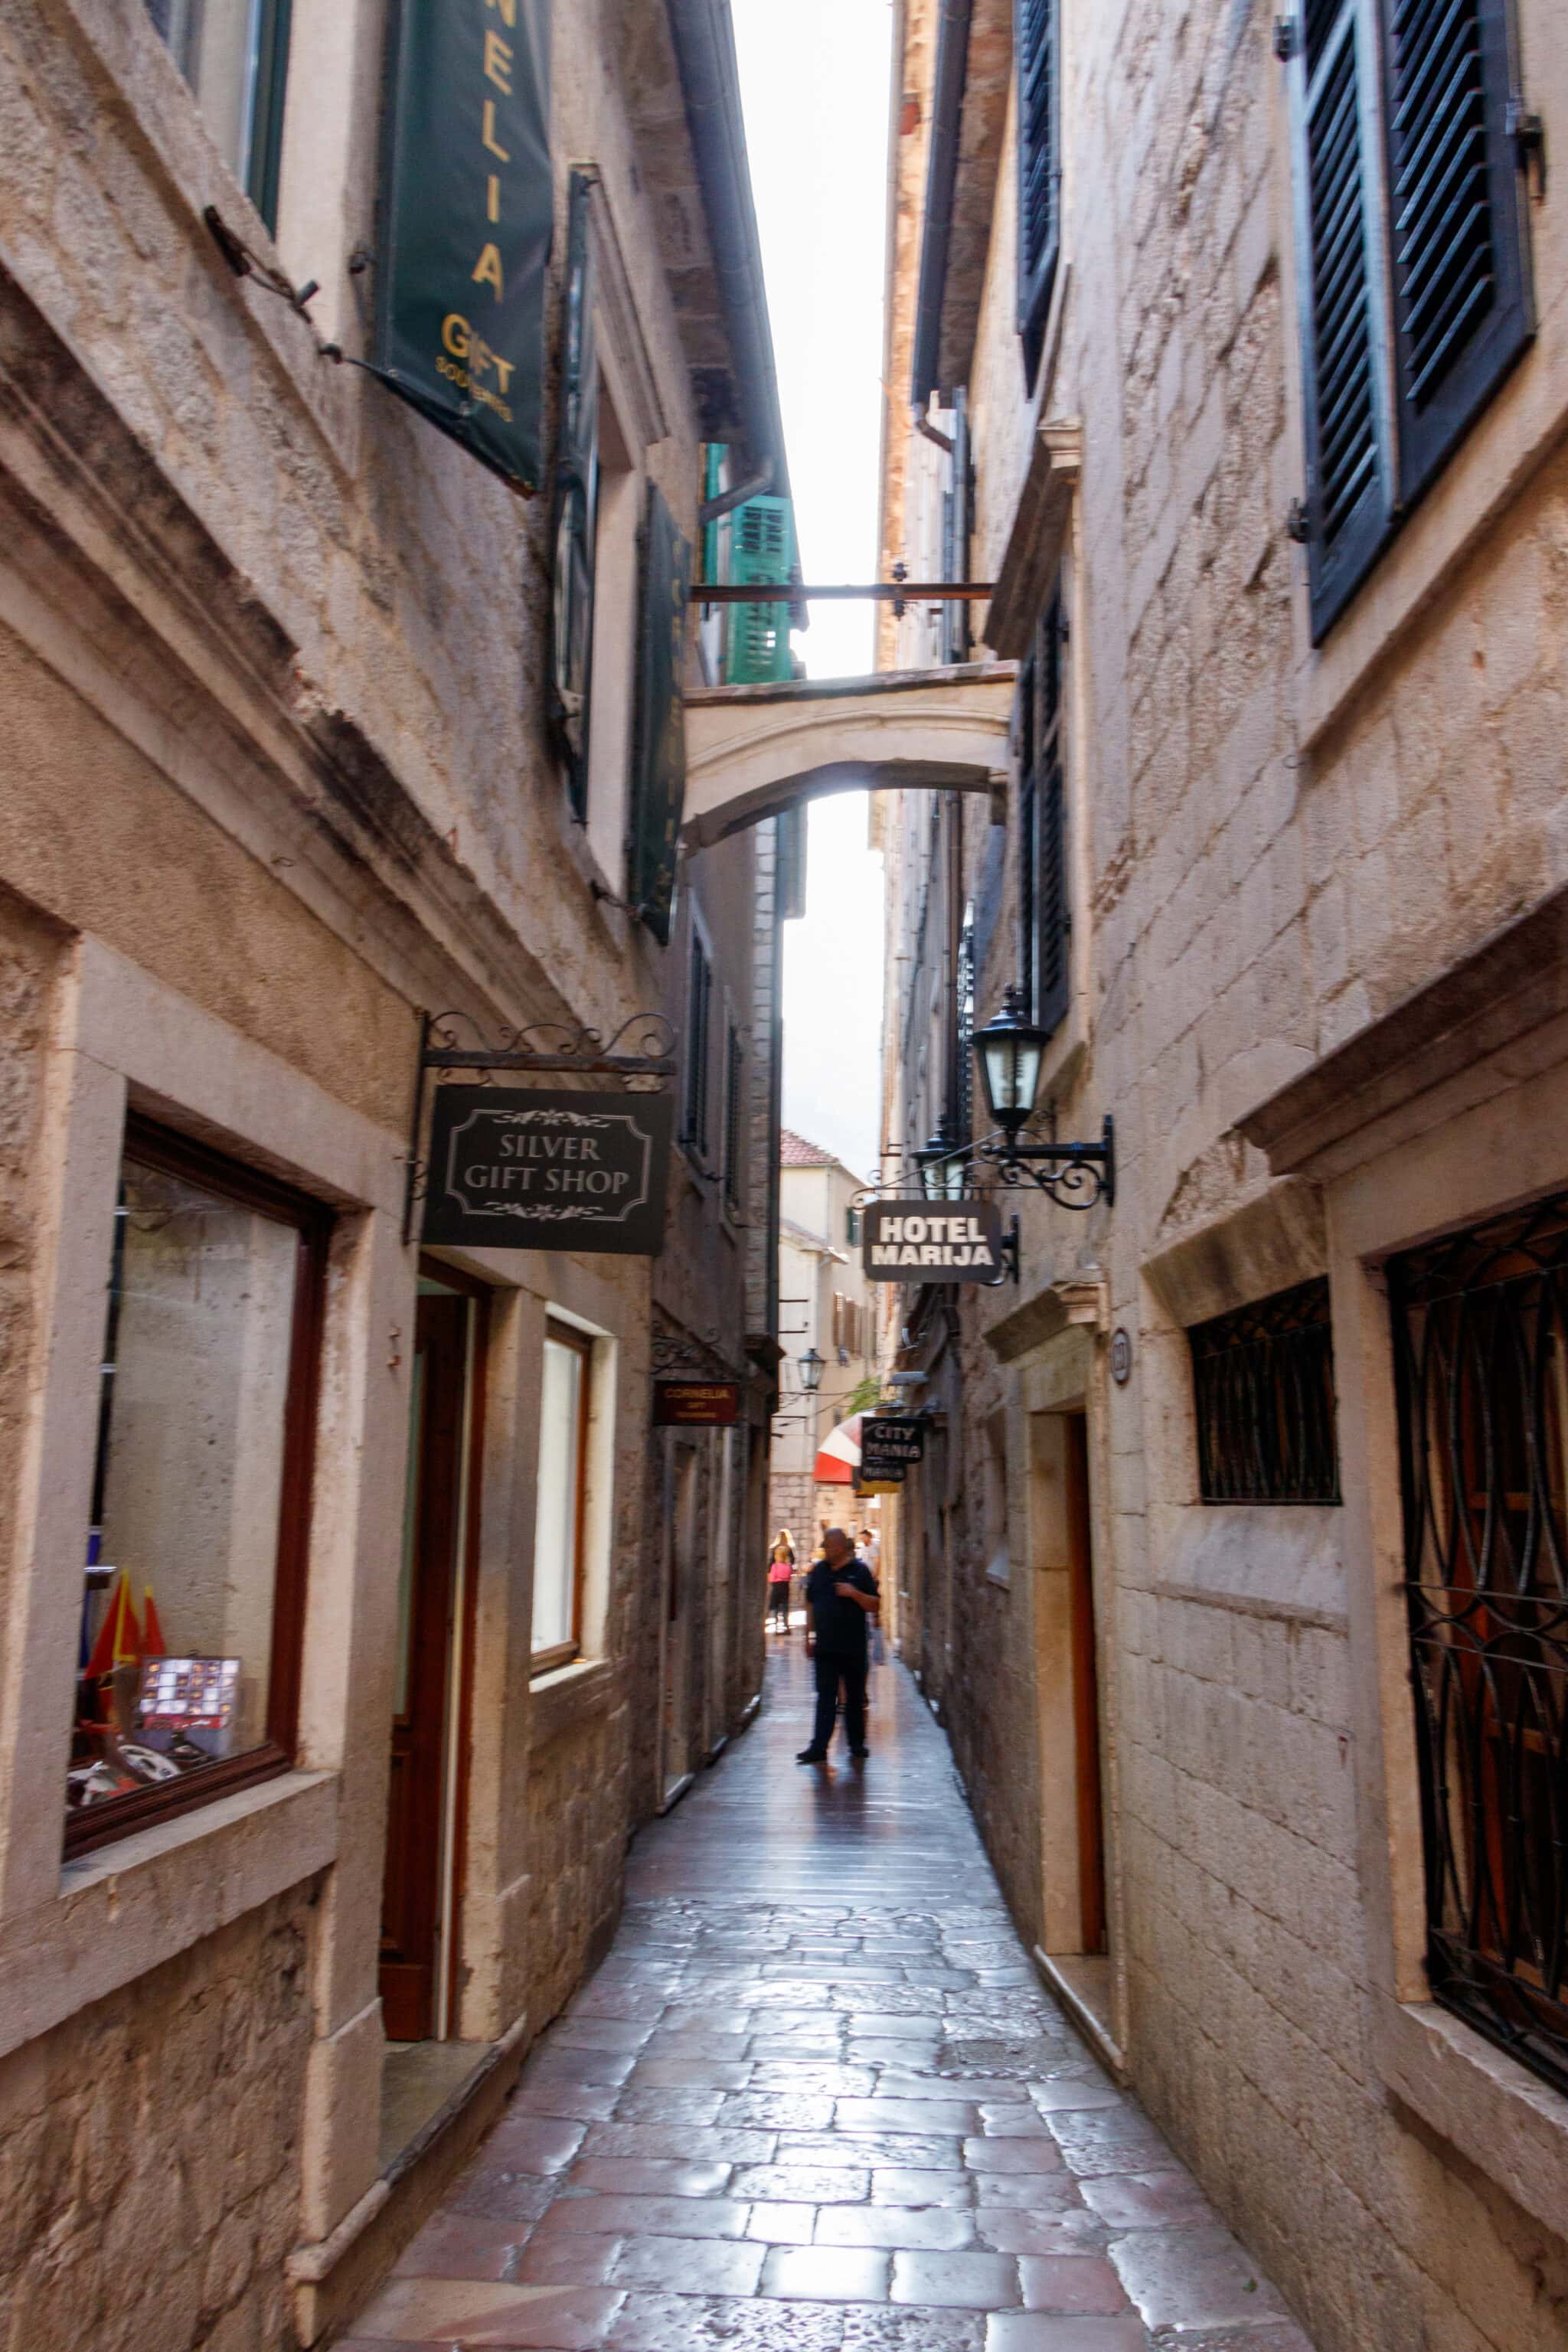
659	747
467	219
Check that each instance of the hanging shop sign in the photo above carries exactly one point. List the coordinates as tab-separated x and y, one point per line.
865	1488
889	1444
468	209
956	1241
659	742
510	1169
696	1404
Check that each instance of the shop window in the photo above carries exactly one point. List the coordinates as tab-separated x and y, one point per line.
189	1659
1480	1325
1263	1378
235	55
1410	217
561	1512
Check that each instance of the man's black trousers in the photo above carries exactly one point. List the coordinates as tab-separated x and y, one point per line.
833	1668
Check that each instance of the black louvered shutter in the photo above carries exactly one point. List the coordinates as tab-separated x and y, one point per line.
1461	292
1024	753
1345	375
576	501
1035	51
1052	911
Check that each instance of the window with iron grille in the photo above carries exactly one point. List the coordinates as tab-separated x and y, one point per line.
734	1109
1037	50
694	1131
1263	1378
1044	912
1413	269
1480	1325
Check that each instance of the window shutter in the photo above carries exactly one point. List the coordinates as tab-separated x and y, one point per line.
658	731
1461	294
576	498
1035	33
734	1102
700	996
1340	276
762	551
1052	909
1024	751
956	533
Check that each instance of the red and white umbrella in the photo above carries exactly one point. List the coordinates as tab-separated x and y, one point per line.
838	1457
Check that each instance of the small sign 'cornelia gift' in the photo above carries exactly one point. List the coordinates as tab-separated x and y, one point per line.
953	1241
510	1169
696	1404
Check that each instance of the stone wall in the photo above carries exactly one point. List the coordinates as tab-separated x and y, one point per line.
149	2153
1268	849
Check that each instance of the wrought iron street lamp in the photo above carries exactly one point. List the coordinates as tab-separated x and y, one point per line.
811	1370
1011	1051
942	1163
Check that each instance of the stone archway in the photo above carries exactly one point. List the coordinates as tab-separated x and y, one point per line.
753	750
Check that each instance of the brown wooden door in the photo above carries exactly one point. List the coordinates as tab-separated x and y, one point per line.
411	1897
1086	1690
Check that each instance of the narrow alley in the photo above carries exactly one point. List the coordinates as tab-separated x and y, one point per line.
815	2099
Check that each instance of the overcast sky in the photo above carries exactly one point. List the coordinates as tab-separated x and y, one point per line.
814	78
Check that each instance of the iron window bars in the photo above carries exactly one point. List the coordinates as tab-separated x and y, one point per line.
1480	1325
1264	1381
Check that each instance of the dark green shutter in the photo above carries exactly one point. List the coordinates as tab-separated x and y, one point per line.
1461	292
699	1006
576	501
1048	973
955	533
1345	375
658	739
762	551
1035	50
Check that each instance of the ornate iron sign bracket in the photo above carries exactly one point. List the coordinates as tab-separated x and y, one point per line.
1074	1175
640	1053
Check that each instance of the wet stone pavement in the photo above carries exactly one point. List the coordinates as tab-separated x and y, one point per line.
816	2100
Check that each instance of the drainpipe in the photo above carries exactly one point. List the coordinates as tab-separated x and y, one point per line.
704	42
941	178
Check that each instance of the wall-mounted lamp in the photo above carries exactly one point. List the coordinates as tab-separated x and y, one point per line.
1011	1051
811	1370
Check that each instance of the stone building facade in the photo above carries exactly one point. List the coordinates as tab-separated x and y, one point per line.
1233	1565
824	1309
279	779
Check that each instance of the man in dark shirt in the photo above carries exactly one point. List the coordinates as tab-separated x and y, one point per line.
841	1593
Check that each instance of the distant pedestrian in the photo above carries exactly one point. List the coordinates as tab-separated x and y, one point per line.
871	1548
841	1594
781	1571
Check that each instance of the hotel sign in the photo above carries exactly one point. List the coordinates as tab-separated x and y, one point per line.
512	1169
467	211
945	1241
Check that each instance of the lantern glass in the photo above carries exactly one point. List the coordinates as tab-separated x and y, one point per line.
1011	1051
811	1366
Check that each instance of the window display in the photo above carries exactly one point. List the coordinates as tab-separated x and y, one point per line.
562	1486
190	1622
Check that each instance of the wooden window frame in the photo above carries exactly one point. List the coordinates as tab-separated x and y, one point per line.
1042	836
152	1146
264	129
567	1653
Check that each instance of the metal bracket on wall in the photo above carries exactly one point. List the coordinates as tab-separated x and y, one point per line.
541	1048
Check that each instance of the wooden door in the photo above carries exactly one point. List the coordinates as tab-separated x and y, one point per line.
1086	1690
411	1898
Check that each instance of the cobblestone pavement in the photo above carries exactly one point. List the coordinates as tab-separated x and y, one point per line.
816	2101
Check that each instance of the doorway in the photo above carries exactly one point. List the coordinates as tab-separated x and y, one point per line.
1073	1911
422	1885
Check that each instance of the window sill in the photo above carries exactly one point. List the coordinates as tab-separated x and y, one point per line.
1512	2127
568	1697
124	1909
